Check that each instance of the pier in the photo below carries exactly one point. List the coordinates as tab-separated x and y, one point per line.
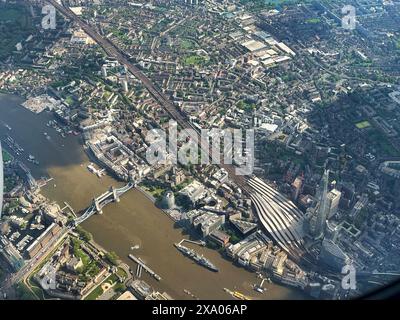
139	270
44	182
67	206
145	267
200	242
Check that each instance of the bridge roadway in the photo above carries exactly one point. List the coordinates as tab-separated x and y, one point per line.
103	200
100	202
113	51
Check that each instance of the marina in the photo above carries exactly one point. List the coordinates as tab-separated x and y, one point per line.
15	148
13	145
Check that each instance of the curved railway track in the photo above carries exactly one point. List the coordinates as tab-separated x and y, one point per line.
114	52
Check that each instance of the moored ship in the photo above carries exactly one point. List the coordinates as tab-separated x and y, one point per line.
201	260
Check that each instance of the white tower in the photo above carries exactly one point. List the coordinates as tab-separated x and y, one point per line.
125	86
168	201
104	71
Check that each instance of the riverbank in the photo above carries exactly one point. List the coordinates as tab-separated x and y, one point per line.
133	221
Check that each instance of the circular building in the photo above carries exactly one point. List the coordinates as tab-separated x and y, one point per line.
168	201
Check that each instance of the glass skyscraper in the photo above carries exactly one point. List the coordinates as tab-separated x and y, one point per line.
323	209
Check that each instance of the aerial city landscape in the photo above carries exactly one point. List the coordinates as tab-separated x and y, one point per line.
199	149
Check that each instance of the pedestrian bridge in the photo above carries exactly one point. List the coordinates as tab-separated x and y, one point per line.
112	195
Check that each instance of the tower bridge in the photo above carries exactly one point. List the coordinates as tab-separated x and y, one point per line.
112	195
278	215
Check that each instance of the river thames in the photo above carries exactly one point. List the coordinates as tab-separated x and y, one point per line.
133	221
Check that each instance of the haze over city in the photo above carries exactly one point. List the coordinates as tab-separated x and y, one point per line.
199	149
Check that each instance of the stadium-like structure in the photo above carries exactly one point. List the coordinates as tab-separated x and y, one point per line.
278	215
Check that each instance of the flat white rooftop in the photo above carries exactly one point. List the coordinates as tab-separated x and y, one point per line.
253	45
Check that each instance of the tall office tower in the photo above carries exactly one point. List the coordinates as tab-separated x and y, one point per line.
333	256
1	180
359	206
333	200
323	208
104	71
296	188
125	86
348	193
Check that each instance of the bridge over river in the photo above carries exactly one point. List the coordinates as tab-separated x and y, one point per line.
112	195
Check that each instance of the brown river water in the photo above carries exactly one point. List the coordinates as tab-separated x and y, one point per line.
132	221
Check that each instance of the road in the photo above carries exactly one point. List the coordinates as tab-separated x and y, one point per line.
114	52
34	263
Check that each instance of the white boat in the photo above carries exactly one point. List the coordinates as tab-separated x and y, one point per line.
259	289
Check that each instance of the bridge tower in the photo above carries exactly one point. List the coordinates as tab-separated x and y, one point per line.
115	194
97	205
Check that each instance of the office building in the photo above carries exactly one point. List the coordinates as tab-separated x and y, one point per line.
296	188
333	202
208	222
333	256
194	191
321	212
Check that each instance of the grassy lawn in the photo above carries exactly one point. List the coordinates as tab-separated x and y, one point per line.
35	287
363	125
69	100
313	20
107	95
90	267
23	293
78	252
111	279
121	35
268	4
187	44
7	157
97	292
121	272
157	192
246	106
194	60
